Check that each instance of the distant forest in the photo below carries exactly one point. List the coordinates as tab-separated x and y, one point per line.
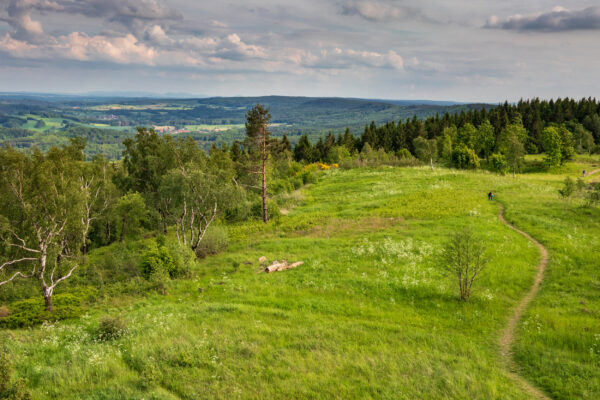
509	130
313	125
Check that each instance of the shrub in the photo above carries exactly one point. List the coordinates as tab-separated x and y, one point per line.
4	312
464	157
498	163
31	312
337	154
184	258
157	263
404	154
464	258
110	328
215	241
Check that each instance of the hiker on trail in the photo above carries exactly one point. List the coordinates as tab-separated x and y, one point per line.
584	173
491	195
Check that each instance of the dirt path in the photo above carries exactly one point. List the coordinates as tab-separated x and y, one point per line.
508	335
592	172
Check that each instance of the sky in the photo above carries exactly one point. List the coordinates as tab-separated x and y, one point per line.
473	51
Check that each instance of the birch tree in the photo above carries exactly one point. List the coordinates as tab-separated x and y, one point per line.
99	194
41	209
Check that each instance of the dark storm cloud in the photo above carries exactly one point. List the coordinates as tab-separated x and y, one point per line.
557	20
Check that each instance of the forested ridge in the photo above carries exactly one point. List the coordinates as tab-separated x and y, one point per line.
484	132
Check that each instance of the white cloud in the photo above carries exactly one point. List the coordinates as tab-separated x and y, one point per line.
378	11
79	46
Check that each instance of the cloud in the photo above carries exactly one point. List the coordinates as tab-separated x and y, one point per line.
338	58
81	47
558	20
377	11
135	15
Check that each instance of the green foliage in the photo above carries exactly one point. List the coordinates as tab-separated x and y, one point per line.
111	328
568	188
337	154
467	135
552	146
31	312
426	150
157	264
404	154
131	214
498	163
566	144
486	139
216	239
464	158
511	144
593	195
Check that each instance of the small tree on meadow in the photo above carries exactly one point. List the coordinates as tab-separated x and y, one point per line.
426	150
464	258
568	189
511	144
551	141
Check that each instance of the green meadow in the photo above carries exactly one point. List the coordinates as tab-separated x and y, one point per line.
370	313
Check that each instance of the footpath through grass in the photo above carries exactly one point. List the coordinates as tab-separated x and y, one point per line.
369	314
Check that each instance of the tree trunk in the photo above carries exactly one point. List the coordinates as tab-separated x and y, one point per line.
264	176
431	162
163	217
47	293
122	230
48	301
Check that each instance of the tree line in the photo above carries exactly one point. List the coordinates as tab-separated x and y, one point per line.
500	136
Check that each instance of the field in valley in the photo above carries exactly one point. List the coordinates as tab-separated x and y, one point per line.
370	314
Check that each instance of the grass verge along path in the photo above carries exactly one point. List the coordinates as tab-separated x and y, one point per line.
508	335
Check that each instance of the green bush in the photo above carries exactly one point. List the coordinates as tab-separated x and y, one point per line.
32	311
498	163
157	264
464	157
215	241
404	154
184	259
110	328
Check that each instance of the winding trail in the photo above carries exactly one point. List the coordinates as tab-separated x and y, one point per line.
592	172
508	335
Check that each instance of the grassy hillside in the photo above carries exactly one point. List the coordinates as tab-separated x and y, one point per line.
369	315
